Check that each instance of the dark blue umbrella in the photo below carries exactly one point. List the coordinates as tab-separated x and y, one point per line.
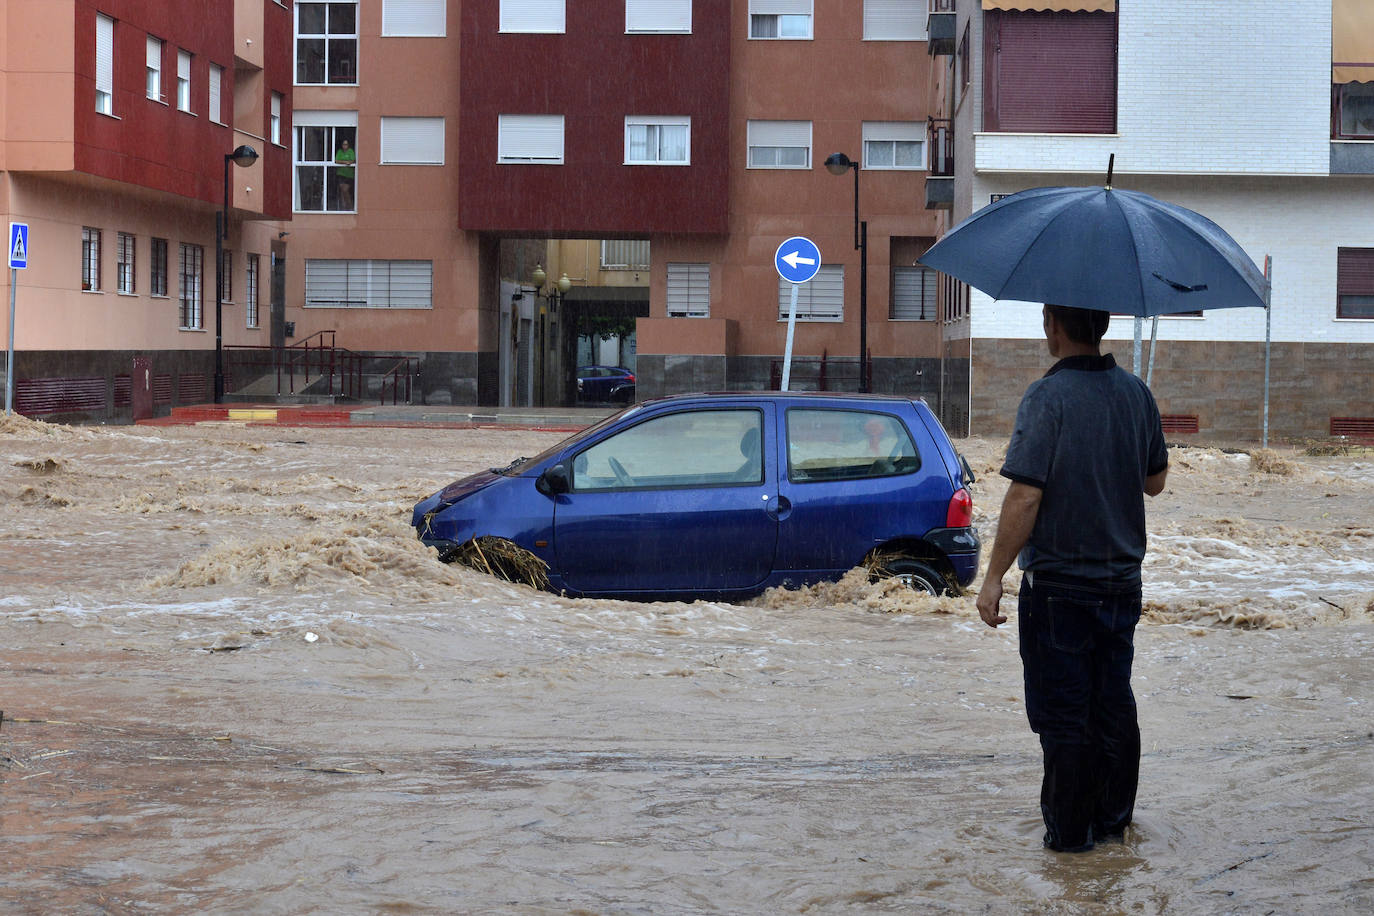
1099	248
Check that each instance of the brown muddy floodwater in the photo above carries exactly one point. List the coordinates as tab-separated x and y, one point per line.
235	682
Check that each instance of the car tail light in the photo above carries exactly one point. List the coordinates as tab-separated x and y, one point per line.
960	512
629	377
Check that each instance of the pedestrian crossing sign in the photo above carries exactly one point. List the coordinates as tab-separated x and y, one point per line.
19	246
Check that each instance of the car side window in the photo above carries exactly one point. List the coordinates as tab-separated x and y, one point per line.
690	449
847	445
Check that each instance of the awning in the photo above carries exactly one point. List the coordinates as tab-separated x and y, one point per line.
1352	41
1058	6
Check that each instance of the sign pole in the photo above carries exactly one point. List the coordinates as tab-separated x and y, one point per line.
9	356
791	329
1268	313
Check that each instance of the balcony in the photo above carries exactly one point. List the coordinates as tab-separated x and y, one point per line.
941	24
940	175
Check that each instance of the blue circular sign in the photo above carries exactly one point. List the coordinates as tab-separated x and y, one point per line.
798	259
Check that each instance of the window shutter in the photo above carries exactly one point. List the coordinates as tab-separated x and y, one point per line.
530	138
780	133
1355	271
183	65
895	20
412	141
104	54
658	15
780	7
216	74
154	53
532	16
820	300
411	284
420	18
689	290
913	293
1050	72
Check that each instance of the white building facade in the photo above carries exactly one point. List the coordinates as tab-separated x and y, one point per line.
1232	108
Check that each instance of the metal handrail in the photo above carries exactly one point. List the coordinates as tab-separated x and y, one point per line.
318	357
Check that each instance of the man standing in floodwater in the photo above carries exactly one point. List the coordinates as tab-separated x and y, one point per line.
1086	447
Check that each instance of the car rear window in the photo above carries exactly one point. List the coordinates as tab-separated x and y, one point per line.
835	444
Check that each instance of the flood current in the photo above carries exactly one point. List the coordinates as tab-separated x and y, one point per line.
233	681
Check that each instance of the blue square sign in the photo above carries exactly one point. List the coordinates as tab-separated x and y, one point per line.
19	246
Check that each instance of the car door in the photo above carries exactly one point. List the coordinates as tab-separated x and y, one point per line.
678	501
853	479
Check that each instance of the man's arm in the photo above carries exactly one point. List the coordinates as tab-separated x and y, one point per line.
1019	508
1154	484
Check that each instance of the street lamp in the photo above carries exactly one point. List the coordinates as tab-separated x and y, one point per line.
838	164
243	156
553	295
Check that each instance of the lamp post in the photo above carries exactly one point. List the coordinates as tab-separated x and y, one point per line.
553	295
838	164
243	156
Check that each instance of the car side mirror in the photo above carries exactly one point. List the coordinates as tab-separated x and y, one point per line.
554	480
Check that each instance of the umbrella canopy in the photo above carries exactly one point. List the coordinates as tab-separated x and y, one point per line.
1099	248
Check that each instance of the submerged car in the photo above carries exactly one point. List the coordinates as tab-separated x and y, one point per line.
721	496
605	383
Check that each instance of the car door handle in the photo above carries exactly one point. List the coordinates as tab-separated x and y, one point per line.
779	507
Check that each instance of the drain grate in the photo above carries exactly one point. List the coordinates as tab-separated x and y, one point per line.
1179	422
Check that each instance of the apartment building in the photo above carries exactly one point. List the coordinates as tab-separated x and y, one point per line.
118	120
1256	114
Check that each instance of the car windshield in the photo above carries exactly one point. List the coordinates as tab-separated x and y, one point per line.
513	469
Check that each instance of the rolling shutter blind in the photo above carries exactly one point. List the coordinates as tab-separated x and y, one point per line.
104	54
780	7
658	15
1050	72
780	133
412	141
913	293
420	18
820	300
895	20
529	138
689	290
216	74
1079	6
368	284
1355	271
532	16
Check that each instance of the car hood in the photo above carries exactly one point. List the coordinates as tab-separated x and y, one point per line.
467	486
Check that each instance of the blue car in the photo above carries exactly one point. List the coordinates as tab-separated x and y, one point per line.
605	383
721	496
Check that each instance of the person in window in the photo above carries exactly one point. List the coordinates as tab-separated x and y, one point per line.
1086	449
345	158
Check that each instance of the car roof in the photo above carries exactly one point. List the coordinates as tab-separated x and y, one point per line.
851	398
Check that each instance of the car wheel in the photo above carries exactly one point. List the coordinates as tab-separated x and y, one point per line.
920	576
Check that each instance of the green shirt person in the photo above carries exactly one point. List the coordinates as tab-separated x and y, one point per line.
344	158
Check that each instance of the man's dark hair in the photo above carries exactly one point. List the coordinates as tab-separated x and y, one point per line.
1085	326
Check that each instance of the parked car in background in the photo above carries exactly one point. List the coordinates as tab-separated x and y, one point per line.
615	384
722	496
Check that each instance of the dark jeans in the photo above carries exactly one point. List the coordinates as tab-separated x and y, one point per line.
1077	644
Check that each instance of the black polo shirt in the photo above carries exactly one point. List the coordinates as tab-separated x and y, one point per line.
1087	434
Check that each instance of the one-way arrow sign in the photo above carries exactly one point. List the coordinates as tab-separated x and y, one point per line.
797	259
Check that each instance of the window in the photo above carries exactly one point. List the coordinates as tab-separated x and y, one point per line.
104	64
779	18
779	144
532	16
625	254
154	71
963	61
658	16
192	273
157	276
895	20
412	141
216	79
820	300
1355	111
90	259
658	141
326	42
326	161
693	448
894	145
914	294
419	18
689	290
536	139
124	262
274	121
183	80
1355	283
361	284
847	445
226	275
1049	72
250	291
